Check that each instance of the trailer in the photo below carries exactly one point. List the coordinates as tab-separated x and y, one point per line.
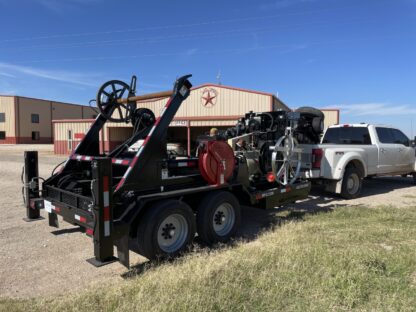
139	198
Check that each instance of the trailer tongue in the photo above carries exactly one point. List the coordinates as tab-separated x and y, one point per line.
141	199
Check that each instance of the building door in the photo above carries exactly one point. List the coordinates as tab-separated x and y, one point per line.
70	140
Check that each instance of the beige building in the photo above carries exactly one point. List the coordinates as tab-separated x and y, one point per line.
28	120
207	106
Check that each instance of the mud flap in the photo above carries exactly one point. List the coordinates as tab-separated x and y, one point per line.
122	243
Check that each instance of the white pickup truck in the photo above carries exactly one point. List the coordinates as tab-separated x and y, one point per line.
349	153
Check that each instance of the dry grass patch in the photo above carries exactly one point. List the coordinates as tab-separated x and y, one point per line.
328	261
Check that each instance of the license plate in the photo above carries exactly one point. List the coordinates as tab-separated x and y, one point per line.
48	206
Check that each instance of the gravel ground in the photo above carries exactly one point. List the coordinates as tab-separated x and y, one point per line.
35	262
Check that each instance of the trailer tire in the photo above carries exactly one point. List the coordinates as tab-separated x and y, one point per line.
218	217
165	230
352	183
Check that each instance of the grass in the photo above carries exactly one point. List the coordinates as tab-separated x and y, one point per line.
350	259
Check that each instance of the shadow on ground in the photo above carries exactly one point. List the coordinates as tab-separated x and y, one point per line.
255	221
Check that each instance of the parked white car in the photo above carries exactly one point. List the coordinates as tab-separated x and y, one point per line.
348	153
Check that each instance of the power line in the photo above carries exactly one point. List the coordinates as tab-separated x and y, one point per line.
179	37
128	30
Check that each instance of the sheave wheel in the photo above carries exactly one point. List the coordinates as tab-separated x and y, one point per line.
351	183
165	230
218	217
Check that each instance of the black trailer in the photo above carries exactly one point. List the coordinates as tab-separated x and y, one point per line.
145	200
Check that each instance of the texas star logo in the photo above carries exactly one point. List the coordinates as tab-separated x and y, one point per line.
209	97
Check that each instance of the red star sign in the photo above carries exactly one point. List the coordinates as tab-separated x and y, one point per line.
209	98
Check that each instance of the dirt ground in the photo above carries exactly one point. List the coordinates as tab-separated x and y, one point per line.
37	260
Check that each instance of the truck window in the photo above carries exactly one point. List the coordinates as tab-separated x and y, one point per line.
385	135
400	137
347	135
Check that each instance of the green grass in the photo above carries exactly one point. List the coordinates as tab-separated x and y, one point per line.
350	259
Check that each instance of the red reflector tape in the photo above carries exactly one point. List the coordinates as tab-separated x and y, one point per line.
80	218
89	232
105	184
106	213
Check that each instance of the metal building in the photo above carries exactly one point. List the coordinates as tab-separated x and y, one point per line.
26	120
207	106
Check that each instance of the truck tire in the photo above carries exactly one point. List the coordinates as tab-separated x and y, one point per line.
165	230
352	183
218	217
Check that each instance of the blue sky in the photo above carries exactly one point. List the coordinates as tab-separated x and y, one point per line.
359	56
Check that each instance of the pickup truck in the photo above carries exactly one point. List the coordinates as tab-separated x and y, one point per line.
349	153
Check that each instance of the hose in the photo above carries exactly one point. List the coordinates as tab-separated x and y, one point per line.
53	171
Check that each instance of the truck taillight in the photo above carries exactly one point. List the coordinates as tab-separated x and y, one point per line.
317	158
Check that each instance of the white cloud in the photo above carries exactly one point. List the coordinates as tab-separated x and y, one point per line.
7	75
56	75
376	109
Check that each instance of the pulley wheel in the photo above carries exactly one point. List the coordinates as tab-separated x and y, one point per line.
107	97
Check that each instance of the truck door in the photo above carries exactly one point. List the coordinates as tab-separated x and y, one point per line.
406	155
387	151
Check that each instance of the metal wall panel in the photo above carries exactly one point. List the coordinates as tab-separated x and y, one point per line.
26	108
61	129
214	123
66	111
331	117
224	102
7	107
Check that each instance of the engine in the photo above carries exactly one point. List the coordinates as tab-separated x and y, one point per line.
266	144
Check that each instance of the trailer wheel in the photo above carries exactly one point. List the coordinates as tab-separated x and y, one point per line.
352	183
218	217
165	230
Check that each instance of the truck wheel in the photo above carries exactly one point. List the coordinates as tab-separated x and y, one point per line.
165	230
352	183
218	217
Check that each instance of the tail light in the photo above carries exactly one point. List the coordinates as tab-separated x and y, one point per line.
317	158
270	177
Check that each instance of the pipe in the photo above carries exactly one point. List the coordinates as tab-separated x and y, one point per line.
149	96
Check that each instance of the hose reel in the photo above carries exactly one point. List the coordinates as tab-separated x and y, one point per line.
286	159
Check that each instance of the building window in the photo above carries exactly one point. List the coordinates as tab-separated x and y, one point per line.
35	118
35	136
2	135
2	117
